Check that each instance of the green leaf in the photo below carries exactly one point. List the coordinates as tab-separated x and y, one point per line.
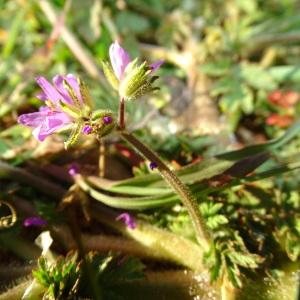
285	73
233	274
122	269
219	68
216	221
268	146
257	77
245	260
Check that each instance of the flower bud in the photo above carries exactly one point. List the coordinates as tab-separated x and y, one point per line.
129	78
137	81
102	122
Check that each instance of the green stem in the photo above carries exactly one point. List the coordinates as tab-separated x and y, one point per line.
156	243
18	291
145	241
189	201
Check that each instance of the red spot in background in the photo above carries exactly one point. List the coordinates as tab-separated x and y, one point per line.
133	158
284	99
281	121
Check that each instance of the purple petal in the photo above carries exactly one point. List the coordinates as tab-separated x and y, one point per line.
58	82
45	109
73	82
127	219
42	96
50	93
119	59
87	129
34	221
34	119
107	120
153	165
155	66
45	123
73	170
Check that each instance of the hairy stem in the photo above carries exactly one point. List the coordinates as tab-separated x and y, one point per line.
180	188
15	292
155	243
101	162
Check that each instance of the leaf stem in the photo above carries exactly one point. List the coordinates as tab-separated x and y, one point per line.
189	201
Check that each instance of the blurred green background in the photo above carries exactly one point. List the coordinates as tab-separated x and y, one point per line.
223	59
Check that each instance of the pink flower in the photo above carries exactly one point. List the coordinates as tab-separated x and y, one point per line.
53	117
120	59
155	66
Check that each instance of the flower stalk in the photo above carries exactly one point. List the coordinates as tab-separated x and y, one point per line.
188	200
121	124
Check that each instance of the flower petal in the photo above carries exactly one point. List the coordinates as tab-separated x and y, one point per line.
50	92
119	59
34	119
155	66
127	219
46	123
73	82
42	96
58	82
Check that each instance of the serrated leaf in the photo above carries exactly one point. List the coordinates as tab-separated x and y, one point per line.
292	246
246	260
216	221
233	274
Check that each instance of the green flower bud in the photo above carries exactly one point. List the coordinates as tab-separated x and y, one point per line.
129	78
102	122
137	81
